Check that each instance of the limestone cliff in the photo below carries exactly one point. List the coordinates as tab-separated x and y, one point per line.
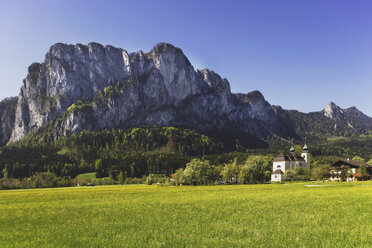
94	87
110	87
7	117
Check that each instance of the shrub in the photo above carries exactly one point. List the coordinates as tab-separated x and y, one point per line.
133	180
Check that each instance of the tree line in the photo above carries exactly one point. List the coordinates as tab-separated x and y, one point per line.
134	152
139	152
256	169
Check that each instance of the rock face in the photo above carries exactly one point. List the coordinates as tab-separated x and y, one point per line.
351	118
333	111
7	117
331	121
156	88
93	87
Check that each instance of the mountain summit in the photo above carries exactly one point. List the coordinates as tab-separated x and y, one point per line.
350	117
94	87
333	111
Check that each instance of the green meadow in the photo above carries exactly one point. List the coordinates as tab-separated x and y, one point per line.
270	215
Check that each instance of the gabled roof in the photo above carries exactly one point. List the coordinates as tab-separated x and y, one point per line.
291	156
351	163
278	171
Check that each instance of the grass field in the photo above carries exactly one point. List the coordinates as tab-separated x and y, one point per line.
362	137
91	175
293	215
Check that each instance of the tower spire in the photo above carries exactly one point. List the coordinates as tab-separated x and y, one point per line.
292	148
305	146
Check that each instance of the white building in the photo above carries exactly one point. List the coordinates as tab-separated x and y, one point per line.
289	161
277	175
350	168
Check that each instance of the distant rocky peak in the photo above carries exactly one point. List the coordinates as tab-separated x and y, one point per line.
333	111
251	97
256	104
164	47
213	81
353	110
166	50
255	95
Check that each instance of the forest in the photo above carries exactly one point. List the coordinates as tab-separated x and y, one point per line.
141	151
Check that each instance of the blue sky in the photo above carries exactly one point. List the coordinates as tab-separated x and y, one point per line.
300	54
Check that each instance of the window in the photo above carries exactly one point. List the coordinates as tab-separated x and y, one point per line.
275	176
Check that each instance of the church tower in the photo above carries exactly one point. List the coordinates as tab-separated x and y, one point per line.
306	155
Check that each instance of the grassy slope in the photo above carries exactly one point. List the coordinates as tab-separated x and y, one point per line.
338	215
362	137
90	175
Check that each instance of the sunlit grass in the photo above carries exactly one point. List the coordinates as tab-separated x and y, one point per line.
91	175
282	215
362	137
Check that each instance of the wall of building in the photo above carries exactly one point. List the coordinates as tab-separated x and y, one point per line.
276	177
281	164
306	156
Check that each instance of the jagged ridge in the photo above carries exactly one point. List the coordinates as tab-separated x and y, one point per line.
164	89
94	87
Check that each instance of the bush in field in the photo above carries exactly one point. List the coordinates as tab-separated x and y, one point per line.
40	180
230	172
104	181
302	174
65	182
10	183
26	183
322	172
257	169
261	167
289	175
362	171
155	178
83	182
199	172
150	179
179	177
44	180
246	174
299	173
133	180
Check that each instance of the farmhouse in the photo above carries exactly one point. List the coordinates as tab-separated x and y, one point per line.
289	161
346	169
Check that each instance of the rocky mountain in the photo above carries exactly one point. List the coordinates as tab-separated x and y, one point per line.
94	87
331	121
350	118
7	117
333	111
